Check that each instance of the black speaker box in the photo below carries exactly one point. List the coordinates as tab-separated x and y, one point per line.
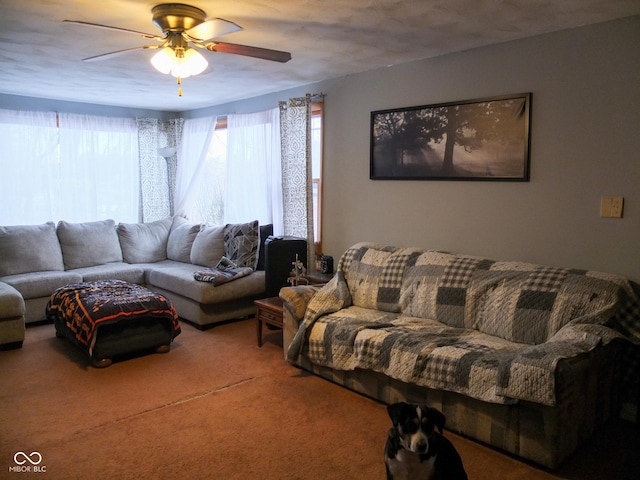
280	253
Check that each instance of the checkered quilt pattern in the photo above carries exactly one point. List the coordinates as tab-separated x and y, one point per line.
494	331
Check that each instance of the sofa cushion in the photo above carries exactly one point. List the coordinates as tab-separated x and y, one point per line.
421	283
208	246
446	287
40	284
180	241
178	278
113	271
533	302
241	243
417	351
374	274
144	242
29	248
89	243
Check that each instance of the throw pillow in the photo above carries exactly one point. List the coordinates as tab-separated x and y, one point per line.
208	246
181	239
88	244
29	248
241	242
144	242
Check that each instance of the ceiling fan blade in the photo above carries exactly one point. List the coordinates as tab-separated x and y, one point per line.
256	52
216	27
117	53
98	25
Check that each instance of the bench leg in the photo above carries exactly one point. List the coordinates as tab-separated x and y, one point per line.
102	363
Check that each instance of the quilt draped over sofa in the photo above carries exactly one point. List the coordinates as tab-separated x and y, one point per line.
491	330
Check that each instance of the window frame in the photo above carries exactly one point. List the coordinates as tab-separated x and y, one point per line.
317	110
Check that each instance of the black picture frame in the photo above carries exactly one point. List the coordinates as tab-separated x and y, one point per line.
492	138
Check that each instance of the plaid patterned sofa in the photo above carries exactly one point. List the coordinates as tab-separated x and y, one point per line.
523	357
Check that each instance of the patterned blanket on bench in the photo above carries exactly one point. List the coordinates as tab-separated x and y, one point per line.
83	307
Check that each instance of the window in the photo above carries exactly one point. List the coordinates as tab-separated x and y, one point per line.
216	171
216	166
317	121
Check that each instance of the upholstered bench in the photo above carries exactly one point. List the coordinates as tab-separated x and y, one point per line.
111	318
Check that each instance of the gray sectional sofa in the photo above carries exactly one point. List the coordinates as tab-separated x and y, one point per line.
35	260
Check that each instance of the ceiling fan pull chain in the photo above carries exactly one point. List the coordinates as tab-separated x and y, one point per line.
179	88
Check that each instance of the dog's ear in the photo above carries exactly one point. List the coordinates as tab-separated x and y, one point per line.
393	445
395	411
438	418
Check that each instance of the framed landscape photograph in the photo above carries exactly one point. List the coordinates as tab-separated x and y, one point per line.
482	139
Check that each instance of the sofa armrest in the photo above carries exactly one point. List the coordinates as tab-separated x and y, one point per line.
294	302
537	372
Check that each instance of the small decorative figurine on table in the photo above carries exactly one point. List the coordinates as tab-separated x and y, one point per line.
296	277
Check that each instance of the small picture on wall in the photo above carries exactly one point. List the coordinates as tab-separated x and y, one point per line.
481	139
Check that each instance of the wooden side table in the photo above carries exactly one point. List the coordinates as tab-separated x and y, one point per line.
269	311
317	278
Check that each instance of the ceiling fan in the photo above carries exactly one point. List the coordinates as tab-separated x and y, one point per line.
183	27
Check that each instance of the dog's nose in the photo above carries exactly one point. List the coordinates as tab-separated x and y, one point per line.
422	446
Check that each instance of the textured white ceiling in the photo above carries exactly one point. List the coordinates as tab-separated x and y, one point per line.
40	56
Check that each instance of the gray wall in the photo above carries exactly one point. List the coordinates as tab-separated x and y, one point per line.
18	102
585	143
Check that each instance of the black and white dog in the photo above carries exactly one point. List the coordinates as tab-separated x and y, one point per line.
415	451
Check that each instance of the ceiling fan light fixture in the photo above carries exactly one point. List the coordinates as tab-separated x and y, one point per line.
190	63
164	60
181	64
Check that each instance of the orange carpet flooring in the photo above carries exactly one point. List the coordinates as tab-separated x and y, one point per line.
219	407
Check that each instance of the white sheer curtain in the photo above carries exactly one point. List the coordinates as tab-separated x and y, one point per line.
254	174
192	193
82	170
28	166
99	169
